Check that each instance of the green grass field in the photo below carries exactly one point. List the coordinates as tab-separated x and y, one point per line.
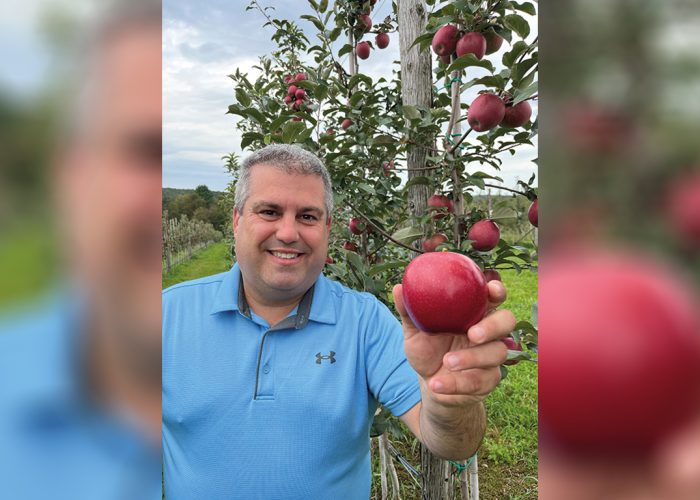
508	455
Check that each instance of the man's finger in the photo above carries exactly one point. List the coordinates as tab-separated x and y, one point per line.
483	356
477	382
497	293
496	325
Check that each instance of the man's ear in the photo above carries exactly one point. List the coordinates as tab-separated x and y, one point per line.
236	217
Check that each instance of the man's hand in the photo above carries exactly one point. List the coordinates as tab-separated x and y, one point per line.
461	369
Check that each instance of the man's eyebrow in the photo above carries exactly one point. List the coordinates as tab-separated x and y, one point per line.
265	204
311	209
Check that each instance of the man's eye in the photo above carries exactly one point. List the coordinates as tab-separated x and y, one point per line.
309	217
268	213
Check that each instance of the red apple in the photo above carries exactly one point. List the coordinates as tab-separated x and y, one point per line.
365	23
330	131
484	235
346	123
300	76
287	78
329	259
532	213
292	90
518	115
288	99
486	112
362	49
619	350
382	40
297	119
438	201
300	93
512	345
430	244
493	41
445	40
387	167
299	103
357	226
471	43
350	246
444	292
492	275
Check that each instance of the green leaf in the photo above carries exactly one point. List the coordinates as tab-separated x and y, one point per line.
277	122
242	97
323	6
411	112
421	179
313	4
469	60
511	56
423	41
526	7
250	137
386	266
346	49
291	130
383	140
517	24
521	95
408	235
521	69
356	98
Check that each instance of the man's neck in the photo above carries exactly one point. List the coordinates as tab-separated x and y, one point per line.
272	311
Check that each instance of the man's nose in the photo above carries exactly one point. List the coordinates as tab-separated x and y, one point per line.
287	229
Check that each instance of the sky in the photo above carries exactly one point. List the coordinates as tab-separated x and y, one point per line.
206	40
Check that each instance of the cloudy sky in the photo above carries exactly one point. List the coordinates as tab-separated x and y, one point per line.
206	40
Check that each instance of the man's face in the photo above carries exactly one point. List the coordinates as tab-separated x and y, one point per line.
282	234
109	187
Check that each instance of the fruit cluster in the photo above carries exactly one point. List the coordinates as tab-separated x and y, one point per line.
364	24
296	97
487	110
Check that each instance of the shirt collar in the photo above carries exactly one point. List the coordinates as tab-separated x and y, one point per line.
316	305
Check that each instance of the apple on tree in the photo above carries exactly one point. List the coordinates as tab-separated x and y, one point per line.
350	246
382	40
445	40
356	226
363	50
431	244
345	124
486	112
532	213
485	235
493	41
518	115
440	202
471	43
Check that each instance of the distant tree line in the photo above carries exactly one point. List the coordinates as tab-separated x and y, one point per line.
199	204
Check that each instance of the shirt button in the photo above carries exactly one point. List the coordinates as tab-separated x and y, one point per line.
266	368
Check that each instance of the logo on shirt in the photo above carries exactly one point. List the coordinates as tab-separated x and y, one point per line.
320	357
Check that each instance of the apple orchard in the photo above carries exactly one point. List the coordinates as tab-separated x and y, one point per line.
409	155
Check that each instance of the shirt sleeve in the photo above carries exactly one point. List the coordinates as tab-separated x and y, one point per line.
391	379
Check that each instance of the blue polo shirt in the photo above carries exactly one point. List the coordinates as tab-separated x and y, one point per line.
253	412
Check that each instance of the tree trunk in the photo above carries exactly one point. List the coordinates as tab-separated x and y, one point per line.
416	90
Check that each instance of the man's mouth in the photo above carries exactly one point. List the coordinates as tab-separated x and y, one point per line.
286	256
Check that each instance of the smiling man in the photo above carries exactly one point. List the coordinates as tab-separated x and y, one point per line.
272	373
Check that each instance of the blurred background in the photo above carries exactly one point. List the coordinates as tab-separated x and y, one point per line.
619	239
80	248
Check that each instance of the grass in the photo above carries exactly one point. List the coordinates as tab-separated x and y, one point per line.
508	454
214	259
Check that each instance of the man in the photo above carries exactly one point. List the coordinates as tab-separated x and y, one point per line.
80	398
272	373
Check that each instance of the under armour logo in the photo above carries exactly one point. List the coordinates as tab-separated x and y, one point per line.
320	357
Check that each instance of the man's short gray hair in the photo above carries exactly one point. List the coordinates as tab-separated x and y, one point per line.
287	158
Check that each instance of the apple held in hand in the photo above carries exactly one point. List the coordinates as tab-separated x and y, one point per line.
444	292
